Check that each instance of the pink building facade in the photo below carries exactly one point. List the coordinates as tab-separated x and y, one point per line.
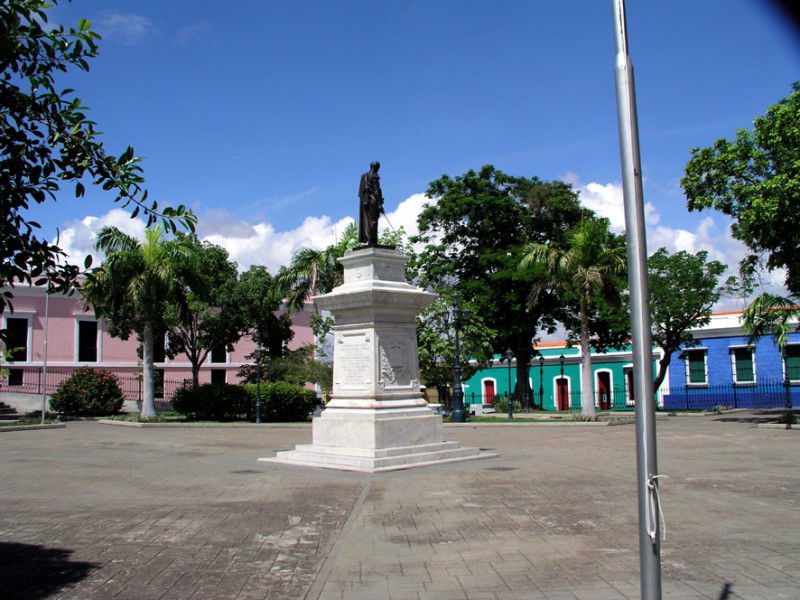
60	331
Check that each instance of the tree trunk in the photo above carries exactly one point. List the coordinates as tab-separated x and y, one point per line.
195	374
587	385
663	365
148	404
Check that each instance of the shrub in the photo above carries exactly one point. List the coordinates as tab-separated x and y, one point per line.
280	402
212	402
283	402
88	393
501	404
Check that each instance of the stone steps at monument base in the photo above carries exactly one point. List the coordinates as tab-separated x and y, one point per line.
321	456
373	453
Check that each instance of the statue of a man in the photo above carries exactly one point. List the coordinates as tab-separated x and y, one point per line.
369	192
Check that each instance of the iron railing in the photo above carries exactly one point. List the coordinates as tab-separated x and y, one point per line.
31	380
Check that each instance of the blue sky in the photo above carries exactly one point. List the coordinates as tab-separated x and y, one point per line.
261	115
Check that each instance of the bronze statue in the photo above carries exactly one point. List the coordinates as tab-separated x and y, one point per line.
371	197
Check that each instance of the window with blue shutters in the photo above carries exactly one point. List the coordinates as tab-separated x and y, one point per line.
744	370
696	365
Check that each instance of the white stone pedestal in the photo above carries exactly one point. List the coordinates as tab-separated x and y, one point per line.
377	419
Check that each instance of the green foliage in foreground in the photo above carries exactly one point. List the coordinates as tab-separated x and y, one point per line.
88	393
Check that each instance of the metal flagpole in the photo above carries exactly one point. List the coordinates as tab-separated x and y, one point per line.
44	349
646	465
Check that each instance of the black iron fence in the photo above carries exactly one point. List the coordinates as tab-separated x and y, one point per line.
31	380
762	394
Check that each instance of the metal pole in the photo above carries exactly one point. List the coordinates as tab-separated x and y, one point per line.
457	414
541	382
44	350
646	465
509	356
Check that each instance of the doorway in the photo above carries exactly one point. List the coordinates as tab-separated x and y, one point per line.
562	393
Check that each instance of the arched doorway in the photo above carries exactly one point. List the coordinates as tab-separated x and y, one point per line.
603	390
488	391
562	393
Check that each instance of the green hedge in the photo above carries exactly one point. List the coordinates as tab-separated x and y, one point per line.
88	393
283	402
280	402
212	402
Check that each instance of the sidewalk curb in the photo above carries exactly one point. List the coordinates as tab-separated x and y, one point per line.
27	427
193	425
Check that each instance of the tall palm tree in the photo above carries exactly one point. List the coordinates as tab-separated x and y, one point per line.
313	272
132	286
587	267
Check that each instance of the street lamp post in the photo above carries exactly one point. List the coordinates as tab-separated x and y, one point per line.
509	356
458	317
259	351
541	382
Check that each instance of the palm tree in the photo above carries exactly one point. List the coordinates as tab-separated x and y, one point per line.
769	314
588	267
313	272
132	286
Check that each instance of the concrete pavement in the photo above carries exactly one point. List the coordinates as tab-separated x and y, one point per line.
98	511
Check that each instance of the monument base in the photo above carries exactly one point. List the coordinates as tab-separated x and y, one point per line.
372	440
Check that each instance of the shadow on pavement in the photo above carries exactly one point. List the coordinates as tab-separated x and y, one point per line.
753	416
33	572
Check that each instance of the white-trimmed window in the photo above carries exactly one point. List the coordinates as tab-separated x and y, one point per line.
630	390
791	362
743	364
697	366
87	340
18	341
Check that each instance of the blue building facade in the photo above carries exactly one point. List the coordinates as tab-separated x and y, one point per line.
725	370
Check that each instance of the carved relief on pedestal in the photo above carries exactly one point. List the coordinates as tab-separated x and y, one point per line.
395	363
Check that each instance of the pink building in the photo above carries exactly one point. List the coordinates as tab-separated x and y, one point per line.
72	337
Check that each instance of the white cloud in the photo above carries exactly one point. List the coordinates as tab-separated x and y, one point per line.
126	28
261	244
78	238
405	215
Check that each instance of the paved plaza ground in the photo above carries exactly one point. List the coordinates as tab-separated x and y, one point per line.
97	511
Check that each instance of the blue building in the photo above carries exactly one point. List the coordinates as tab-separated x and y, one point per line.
725	370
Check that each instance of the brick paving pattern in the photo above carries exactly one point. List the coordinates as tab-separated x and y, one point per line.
96	511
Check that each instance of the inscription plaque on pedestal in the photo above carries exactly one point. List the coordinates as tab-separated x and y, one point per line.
351	359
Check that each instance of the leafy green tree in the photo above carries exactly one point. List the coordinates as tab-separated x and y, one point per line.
297	367
587	266
47	141
436	343
268	325
134	286
473	237
211	312
756	180
683	289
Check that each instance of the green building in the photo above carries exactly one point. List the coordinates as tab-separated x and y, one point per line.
555	379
